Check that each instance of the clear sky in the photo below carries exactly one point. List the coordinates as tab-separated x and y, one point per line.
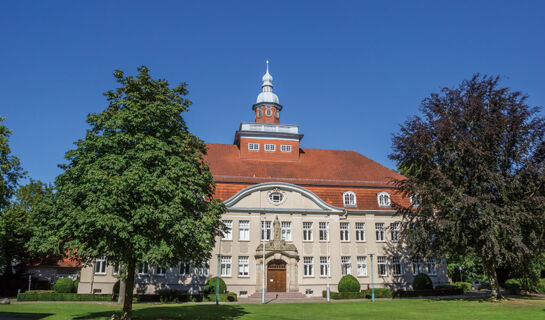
348	73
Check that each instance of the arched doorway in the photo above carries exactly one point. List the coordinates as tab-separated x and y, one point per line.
276	276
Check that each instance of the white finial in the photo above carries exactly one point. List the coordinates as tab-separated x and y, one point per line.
267	66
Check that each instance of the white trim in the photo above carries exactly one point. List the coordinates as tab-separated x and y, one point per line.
267	138
384	193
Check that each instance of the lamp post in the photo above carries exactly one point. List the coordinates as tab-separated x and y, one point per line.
263	259
218	274
372	280
328	290
461	277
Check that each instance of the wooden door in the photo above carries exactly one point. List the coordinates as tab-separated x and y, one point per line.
276	277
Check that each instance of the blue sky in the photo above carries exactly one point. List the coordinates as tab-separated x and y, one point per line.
348	73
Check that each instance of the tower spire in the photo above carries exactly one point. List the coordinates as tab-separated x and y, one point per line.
266	94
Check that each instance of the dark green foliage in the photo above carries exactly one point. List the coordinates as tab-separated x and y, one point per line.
183	297
476	160
349	284
422	282
344	295
513	286
55	296
115	290
379	293
428	293
517	286
64	285
466	286
10	168
76	284
210	286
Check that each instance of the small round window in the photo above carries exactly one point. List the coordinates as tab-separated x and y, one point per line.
276	197
269	112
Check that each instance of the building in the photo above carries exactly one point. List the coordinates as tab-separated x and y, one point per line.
301	217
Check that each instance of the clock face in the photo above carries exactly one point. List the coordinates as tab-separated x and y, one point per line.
277	114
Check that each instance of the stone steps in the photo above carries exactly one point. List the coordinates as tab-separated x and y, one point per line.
278	295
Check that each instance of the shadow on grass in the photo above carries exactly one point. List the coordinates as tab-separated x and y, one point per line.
199	312
27	315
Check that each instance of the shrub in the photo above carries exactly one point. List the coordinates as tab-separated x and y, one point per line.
76	284
428	293
513	286
422	282
541	286
466	286
55	296
64	285
169	295
349	284
379	293
115	290
344	295
445	287
210	286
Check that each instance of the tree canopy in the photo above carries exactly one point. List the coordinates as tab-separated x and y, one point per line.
474	163
136	188
10	168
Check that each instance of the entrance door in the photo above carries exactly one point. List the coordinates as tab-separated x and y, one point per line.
276	276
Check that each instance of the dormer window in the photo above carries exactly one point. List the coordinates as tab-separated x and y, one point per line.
383	199
349	199
416	199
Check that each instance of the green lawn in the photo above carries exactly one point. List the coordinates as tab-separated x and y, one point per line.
385	309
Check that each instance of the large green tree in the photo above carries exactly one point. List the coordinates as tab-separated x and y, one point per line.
136	188
10	168
474	163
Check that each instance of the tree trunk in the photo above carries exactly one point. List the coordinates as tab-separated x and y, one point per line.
494	284
121	293
129	288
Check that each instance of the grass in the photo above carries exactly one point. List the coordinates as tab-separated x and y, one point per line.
385	309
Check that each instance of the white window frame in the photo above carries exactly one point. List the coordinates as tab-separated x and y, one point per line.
362	266
243	266
268	111
325	266
344	228
432	267
308	266
270	147
381	264
395	229
397	266
265	230
160	271
383	199
201	269
228	233
285	148
285	228
417	266
360	231
116	268
379	232
100	265
143	268
253	146
307	231
349	199
323	231
346	265
244	230
184	268
225	266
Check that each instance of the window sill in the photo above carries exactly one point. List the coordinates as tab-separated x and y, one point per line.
345	241
308	241
312	276
100	273
366	276
380	241
361	241
243	240
244	276
226	239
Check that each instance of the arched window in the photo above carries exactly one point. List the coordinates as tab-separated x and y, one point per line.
349	199
269	111
383	199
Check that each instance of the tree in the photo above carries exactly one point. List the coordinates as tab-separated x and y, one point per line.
10	168
474	166
137	187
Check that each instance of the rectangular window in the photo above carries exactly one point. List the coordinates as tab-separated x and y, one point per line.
160	271
324	266
202	269
285	148
307	231
100	266
345	232
397	266
379	227
228	232
116	268
395	228
225	266
243	266
143	268
308	266
286	230
432	267
362	266
265	230
244	230
184	268
324	231
417	266
346	266
253	146
381	262
360	231
270	147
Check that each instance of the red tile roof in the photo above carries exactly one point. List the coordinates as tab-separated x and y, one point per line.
328	173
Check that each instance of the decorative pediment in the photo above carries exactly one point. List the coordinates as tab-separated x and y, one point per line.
279	197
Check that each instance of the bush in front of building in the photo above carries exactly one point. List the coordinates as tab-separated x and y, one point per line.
344	295
349	284
64	285
170	295
379	293
422	282
466	286
429	292
47	295
210	286
76	284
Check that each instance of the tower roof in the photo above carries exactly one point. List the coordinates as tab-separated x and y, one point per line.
267	95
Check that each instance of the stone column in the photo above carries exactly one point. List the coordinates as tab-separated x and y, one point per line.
292	269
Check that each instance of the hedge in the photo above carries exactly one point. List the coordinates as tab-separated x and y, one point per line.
428	293
379	293
55	296
466	286
422	282
224	297
64	285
